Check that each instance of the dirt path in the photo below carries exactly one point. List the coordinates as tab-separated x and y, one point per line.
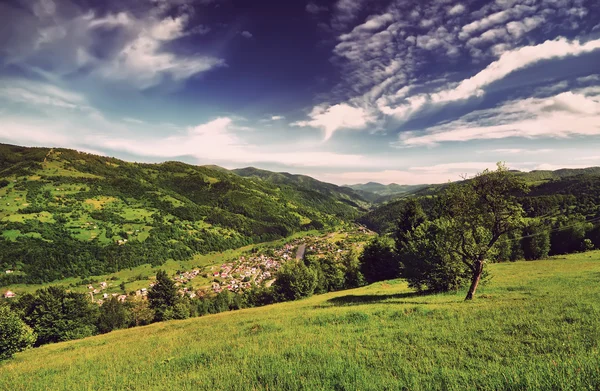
48	154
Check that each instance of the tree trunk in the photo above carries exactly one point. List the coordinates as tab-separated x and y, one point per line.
477	271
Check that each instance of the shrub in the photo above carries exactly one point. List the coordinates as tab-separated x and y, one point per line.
15	335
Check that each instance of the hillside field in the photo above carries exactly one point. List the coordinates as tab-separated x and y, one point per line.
534	325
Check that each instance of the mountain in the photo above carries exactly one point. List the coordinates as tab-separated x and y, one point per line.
341	193
378	193
67	213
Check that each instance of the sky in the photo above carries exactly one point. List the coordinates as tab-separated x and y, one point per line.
346	91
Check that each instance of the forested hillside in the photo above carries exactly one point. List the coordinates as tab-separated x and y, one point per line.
66	213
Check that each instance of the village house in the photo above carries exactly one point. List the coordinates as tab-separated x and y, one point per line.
9	295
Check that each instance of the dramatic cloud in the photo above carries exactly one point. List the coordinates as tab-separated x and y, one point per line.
336	117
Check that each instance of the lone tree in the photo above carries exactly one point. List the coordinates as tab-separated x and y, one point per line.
470	218
481	210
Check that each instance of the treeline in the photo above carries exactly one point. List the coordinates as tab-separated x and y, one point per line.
54	314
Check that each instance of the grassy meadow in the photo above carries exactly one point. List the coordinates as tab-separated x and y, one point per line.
534	325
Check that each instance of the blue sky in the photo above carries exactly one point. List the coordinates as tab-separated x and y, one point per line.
346	91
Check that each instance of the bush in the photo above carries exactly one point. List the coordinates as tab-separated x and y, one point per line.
15	335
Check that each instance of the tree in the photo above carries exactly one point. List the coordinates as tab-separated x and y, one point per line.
58	315
568	234
410	218
536	241
428	260
113	315
353	278
141	313
378	261
163	295
481	210
295	281
15	335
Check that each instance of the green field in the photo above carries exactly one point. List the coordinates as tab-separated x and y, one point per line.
535	326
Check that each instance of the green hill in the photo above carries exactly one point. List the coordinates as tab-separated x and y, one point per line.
66	213
524	332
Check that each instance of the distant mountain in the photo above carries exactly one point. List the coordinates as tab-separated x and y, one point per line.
66	213
341	193
539	176
378	193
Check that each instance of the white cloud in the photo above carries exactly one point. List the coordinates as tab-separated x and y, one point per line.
516	12
40	94
333	118
457	10
588	79
519	28
514	151
138	52
277	117
144	62
247	34
512	61
564	115
488	36
345	12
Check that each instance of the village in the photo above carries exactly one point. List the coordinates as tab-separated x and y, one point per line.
257	267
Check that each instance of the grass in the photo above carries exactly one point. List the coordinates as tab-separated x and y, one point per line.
533	326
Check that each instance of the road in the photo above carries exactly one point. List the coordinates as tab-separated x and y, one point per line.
300	251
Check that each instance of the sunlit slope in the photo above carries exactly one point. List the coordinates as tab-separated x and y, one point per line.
534	326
